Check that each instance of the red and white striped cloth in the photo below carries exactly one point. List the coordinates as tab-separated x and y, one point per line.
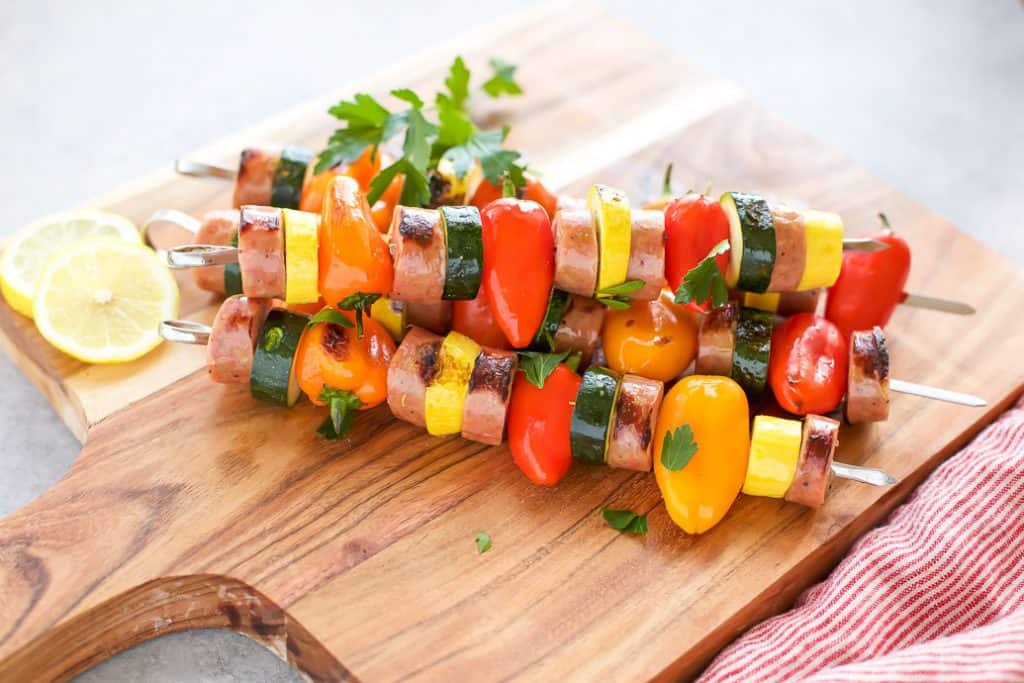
936	594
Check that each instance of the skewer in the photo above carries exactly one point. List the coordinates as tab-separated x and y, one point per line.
179	218
864	245
936	304
199	255
185	332
926	391
198	169
865	475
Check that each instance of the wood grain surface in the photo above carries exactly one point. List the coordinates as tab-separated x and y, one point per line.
192	505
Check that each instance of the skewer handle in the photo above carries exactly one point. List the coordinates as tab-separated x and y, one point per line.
199	255
185	332
936	304
179	218
926	391
865	475
863	244
198	169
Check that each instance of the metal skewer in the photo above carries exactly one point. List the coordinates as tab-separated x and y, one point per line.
926	391
936	304
199	255
179	218
865	475
185	332
198	169
864	245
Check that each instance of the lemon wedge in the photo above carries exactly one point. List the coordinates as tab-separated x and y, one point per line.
26	253
100	300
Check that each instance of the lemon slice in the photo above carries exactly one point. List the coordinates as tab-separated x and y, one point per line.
26	253
101	300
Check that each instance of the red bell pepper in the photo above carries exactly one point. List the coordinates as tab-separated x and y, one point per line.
694	224
808	363
519	266
538	425
870	285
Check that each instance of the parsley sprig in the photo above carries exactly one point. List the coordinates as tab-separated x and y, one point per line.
538	366
329	315
360	303
617	296
625	521
342	406
453	136
678	448
705	280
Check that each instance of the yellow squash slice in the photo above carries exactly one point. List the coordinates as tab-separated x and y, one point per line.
610	208
446	394
774	452
824	239
302	265
769	301
391	315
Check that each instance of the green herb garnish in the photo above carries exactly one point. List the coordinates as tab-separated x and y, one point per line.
342	406
503	82
625	521
538	366
617	296
705	280
358	302
678	448
329	315
483	542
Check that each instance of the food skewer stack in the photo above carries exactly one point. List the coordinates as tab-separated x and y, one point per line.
505	275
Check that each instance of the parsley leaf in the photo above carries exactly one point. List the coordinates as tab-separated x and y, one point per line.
504	79
617	296
329	315
415	187
358	302
538	366
705	280
457	83
483	542
342	405
407	95
368	124
678	448
626	521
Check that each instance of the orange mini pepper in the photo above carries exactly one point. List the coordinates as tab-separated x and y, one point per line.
655	339
699	494
354	258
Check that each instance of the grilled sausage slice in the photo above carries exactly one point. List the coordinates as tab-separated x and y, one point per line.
261	251
789	249
576	255
218	228
717	340
256	168
636	414
233	335
490	386
418	247
435	316
413	366
647	254
814	468
791	303
580	327
867	388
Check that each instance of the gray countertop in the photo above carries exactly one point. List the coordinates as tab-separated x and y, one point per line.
929	96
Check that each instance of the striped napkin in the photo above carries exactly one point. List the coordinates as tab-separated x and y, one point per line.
936	594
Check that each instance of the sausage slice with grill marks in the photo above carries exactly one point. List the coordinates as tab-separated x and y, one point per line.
814	468
490	385
647	254
435	316
867	388
261	251
580	327
717	340
418	248
576	251
233	336
255	181
636	414
218	228
412	368
789	249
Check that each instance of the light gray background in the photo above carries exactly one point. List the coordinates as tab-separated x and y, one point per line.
928	95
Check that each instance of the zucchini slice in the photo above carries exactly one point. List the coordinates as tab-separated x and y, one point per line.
558	304
752	348
445	396
592	415
465	250
614	221
751	241
774	452
290	174
823	237
302	264
273	364
233	273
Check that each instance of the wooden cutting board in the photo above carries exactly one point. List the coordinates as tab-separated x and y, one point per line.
192	505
